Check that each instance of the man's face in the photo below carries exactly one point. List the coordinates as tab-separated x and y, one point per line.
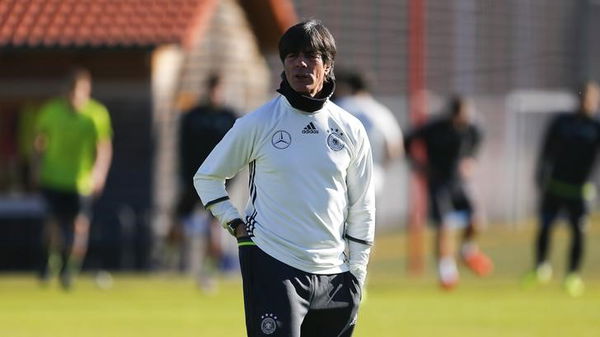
465	114
215	95
305	72
590	99
80	93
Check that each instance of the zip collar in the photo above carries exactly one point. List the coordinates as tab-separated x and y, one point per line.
305	102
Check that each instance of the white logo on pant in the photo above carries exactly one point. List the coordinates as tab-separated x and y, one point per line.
268	325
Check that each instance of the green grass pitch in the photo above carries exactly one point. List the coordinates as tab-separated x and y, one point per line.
396	305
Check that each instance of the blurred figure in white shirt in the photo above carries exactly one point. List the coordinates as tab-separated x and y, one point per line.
353	95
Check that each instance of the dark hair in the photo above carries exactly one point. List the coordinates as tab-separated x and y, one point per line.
455	104
309	36
213	81
356	81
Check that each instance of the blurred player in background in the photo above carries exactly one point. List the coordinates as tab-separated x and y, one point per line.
451	144
74	138
568	155
200	130
310	220
353	95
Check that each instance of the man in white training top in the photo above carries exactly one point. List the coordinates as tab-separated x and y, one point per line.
307	231
382	128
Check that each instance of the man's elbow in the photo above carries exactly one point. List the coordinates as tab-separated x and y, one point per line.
105	147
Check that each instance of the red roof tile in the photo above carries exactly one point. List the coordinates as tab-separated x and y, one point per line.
102	23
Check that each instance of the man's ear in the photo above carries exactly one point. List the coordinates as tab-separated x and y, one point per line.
328	68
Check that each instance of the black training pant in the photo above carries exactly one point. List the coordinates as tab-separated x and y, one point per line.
280	300
576	210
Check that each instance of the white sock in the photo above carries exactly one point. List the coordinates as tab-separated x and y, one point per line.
447	269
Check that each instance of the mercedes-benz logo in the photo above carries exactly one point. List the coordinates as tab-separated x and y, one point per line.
281	139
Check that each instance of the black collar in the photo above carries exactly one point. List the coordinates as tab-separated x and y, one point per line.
304	102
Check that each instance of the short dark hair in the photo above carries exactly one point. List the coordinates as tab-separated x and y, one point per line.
357	81
455	103
214	80
309	36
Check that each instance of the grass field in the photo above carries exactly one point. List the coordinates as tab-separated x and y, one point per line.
396	305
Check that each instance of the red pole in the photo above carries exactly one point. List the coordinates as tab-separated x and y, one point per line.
417	107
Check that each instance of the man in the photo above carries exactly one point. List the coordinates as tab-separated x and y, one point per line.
451	144
74	138
568	155
309	223
383	131
201	129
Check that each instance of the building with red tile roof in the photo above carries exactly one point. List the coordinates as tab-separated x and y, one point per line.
125	23
149	60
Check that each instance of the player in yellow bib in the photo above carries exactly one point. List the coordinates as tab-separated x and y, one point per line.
74	138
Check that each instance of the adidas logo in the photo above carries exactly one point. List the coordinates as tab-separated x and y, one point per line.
310	128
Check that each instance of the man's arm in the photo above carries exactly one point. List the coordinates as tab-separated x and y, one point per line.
104	153
360	230
546	155
414	155
230	155
183	143
104	149
468	162
394	142
39	145
477	140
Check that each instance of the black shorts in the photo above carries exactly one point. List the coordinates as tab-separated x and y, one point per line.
65	206
446	197
552	205
280	300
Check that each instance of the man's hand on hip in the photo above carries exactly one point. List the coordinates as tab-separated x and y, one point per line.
241	232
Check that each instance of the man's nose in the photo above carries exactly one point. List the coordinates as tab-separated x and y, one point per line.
302	61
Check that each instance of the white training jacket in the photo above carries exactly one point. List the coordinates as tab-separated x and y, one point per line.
311	186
